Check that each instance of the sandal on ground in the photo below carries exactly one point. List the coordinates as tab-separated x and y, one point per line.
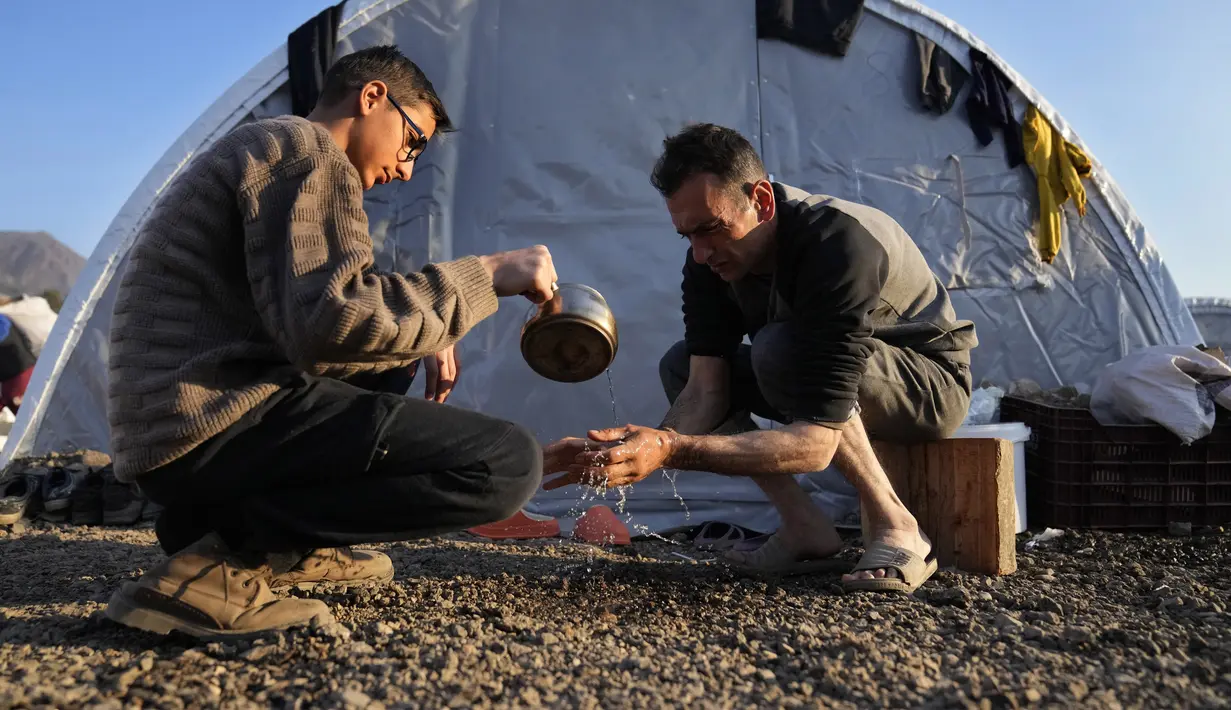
912	569
716	536
775	558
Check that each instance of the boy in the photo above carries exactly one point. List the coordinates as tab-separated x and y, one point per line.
259	363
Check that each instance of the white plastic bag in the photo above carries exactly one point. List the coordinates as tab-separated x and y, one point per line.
984	406
1175	386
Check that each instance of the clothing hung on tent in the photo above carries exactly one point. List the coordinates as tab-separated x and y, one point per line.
1059	167
826	26
310	53
988	107
941	78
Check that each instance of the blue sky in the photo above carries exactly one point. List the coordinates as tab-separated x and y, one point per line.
94	92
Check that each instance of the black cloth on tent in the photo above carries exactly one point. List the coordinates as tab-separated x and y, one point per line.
822	25
309	54
941	78
988	107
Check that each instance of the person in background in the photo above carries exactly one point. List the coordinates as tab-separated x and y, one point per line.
853	338
17	360
260	361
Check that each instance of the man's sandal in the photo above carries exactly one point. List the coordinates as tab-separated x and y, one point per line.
912	569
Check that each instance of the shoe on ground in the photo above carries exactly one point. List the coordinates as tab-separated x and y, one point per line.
18	497
57	491
151	511
87	500
340	567
122	502
207	592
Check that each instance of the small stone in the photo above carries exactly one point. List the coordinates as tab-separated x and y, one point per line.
1180	529
257	653
125	679
549	639
1043	616
951	597
746	670
220	650
355	699
334	630
95	459
1032	632
766	674
360	648
1004	621
1078	689
1032	695
1076	634
1048	604
1200	670
382	628
146	663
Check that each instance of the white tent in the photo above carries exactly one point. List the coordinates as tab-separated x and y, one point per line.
1213	316
562	106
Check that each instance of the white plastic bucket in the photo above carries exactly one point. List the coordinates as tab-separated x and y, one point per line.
1018	434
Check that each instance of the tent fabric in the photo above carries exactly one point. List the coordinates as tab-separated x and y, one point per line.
549	154
310	53
1213	316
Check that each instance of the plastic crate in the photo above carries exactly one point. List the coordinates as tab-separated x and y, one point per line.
1081	474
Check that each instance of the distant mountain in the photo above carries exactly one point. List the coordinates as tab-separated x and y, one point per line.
34	262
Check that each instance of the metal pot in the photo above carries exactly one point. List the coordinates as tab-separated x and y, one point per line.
572	337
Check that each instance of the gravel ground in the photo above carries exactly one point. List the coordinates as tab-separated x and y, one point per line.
1094	620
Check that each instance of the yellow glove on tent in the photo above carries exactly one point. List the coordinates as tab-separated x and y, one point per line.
1059	166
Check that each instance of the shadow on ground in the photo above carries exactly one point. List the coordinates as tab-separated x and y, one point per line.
46	569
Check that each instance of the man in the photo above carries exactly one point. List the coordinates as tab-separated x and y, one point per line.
259	364
852	337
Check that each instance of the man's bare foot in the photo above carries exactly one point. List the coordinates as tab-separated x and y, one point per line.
791	549
812	540
904	536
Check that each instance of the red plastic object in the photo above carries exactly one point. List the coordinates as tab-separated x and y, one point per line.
521	526
600	526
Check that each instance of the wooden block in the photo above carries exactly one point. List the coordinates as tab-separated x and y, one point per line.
961	492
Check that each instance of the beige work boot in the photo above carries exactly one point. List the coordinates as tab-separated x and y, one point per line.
341	567
204	591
